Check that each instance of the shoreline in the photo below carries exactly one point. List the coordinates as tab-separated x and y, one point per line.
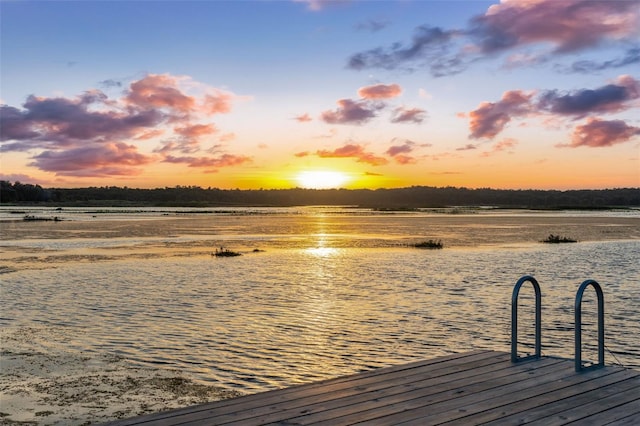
45	383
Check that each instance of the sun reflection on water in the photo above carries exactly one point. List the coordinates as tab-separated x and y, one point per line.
322	251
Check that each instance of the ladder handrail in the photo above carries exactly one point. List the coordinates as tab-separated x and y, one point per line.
578	325
514	319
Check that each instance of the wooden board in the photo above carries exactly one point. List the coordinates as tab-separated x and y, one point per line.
481	387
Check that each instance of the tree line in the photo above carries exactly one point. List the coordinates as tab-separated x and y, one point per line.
394	198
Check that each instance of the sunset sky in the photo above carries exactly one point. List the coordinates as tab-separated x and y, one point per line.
294	93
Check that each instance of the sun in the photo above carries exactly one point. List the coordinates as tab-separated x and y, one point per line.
321	179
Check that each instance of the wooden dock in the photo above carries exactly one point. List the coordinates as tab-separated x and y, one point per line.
482	387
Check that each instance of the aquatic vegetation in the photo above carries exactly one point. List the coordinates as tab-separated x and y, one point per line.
223	252
430	244
556	239
31	218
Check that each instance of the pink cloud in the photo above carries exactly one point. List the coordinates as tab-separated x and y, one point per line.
95	161
224	160
317	5
503	145
400	153
351	112
303	118
380	91
68	134
600	133
353	151
408	115
490	118
227	137
63	121
195	130
159	91
534	30
19	177
217	102
569	25
149	135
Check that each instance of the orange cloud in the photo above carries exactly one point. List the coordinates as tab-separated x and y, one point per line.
195	130
501	146
217	102
353	151
380	91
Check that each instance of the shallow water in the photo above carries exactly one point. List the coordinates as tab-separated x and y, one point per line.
333	292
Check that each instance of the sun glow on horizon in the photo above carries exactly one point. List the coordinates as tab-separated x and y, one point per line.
321	179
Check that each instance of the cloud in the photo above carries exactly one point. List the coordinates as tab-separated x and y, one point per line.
544	27
19	177
150	134
408	115
15	126
317	5
225	160
217	102
400	153
503	145
568	25
110	83
227	137
372	25
195	130
351	112
432	45
159	91
303	118
605	99
631	56
91	134
467	147
49	122
353	151
424	94
597	133
490	118
93	161
380	91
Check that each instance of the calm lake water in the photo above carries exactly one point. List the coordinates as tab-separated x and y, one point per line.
327	291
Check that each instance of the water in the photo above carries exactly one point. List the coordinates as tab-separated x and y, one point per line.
332	291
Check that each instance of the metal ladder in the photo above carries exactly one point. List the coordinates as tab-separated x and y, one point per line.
538	327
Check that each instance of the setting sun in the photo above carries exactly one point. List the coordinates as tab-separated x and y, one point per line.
321	179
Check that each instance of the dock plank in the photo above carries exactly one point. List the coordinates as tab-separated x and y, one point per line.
469	388
528	409
396	383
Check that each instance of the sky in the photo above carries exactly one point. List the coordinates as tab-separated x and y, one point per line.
517	94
